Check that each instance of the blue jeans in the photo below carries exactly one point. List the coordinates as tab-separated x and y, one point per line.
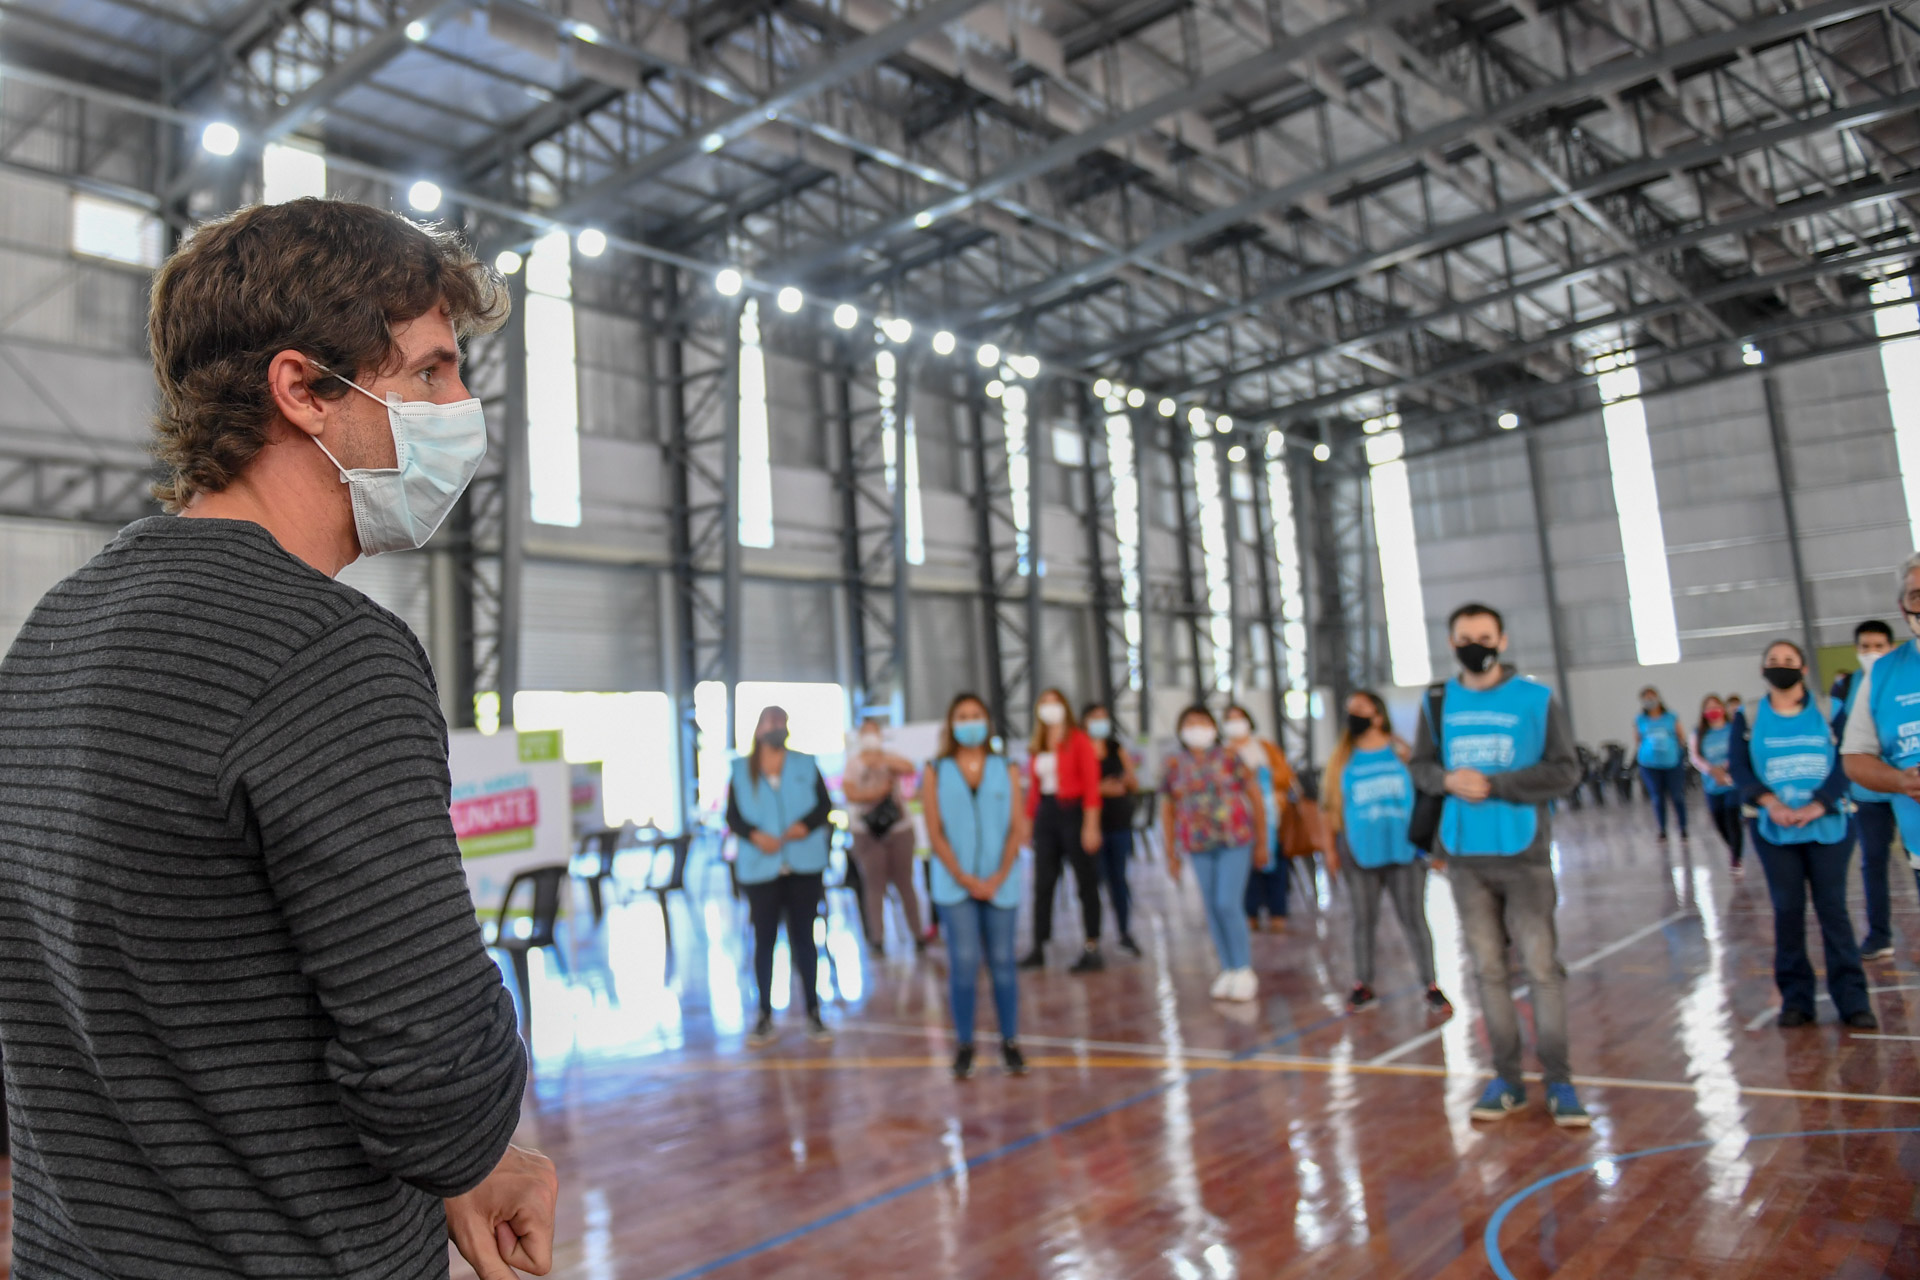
1791	869
1665	784
1222	874
974	926
1268	889
1115	848
1873	828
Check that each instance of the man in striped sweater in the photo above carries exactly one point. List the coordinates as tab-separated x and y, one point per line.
249	1025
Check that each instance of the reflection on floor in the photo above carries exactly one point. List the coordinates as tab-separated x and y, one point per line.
1164	1135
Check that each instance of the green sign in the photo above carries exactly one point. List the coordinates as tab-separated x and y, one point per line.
539	745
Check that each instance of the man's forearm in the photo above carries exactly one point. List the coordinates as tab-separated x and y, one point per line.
1876	774
1553	776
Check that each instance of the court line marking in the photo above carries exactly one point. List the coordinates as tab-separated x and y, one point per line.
948	1172
1497	1260
1277	1064
1874	1035
1145	1048
1765	1016
1428	1036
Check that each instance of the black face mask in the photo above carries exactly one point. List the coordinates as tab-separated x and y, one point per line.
774	739
1782	678
1358	725
1477	658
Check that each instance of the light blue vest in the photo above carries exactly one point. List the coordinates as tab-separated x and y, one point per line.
1376	804
1263	773
1713	749
1496	730
1895	700
976	824
1659	741
1793	755
1859	793
773	809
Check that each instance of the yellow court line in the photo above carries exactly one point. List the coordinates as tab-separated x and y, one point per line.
1275	1064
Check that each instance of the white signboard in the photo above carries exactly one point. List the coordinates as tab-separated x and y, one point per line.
512	807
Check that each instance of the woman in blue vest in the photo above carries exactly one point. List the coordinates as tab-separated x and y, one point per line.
1661	755
976	825
1789	767
1708	747
778	807
1369	804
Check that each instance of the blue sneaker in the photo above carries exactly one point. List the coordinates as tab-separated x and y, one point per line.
1564	1106
1499	1101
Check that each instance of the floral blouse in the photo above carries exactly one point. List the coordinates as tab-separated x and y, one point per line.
1209	795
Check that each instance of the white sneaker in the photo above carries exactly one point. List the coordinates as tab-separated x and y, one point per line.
1248	987
1223	984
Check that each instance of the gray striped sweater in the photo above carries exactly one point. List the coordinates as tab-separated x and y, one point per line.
249	1026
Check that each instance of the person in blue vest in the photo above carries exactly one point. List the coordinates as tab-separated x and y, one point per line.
1872	810
778	807
1881	743
1369	806
976	823
1662	759
1787	765
1708	747
1504	754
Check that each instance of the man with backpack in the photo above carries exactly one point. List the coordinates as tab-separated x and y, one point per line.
1503	753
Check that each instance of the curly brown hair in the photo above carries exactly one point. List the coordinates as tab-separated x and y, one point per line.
329	278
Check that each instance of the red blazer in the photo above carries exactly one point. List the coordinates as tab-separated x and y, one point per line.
1079	774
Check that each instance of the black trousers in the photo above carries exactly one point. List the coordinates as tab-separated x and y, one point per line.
795	899
1056	844
1725	809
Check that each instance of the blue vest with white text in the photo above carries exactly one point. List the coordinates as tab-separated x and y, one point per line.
1713	749
1659	740
1859	793
773	809
1895	705
1495	730
976	824
1793	755
1376	804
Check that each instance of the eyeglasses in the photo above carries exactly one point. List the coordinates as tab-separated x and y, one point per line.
1911	601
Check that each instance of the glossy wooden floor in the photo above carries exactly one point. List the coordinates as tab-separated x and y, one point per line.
1163	1135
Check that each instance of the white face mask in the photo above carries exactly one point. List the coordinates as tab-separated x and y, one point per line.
1867	660
438	448
869	742
1051	713
1238	729
1199	736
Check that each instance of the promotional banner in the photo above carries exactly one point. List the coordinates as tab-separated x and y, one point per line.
589	810
512	807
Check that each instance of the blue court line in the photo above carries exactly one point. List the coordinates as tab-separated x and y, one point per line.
998	1153
1498	1260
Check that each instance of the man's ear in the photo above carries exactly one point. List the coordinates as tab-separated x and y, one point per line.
1502	646
290	376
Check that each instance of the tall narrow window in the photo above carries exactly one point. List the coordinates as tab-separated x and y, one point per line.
289	172
115	231
887	367
1293	604
1636	499
1126	529
756	444
1213	550
1013	416
553	384
1900	358
1393	537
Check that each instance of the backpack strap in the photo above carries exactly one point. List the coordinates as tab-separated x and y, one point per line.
1436	707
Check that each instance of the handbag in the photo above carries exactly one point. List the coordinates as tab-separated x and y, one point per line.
884	816
1423	829
1296	832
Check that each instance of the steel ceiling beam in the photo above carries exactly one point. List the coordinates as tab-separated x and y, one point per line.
1071	147
1610	78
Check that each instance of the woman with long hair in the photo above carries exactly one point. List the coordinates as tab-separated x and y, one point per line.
1063	808
1709	747
1266	886
1788	766
1659	752
778	807
1369	805
975	824
882	835
1214	819
1118	785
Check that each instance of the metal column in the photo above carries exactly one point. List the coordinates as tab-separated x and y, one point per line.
1536	484
514	500
1803	593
